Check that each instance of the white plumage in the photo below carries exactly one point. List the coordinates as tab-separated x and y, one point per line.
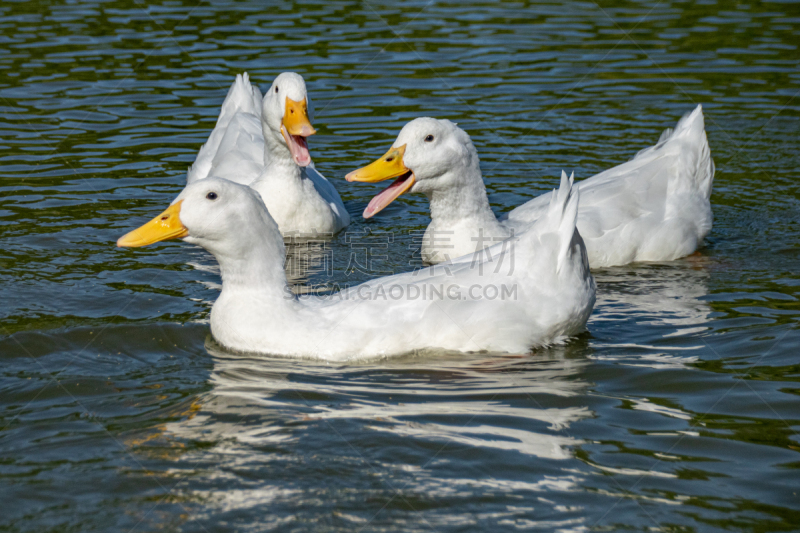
655	207
249	146
535	291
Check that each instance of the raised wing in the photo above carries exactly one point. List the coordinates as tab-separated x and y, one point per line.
243	99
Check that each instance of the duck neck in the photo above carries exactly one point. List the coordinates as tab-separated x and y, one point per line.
277	158
256	269
465	202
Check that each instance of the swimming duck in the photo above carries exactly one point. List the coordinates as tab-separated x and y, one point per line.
530	292
262	142
655	207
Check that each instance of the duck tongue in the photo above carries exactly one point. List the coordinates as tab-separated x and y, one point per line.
398	187
298	147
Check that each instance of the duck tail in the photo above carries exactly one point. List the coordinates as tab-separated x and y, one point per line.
690	132
704	177
242	97
562	216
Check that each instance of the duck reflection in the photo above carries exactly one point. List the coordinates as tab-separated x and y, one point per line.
523	404
655	307
288	434
666	293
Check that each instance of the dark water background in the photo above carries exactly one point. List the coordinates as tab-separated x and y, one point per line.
677	411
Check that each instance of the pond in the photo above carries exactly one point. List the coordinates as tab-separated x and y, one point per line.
676	411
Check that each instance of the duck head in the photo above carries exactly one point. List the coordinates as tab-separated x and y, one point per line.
429	155
225	218
286	114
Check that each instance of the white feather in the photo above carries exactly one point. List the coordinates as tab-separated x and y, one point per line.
655	207
446	307
247	147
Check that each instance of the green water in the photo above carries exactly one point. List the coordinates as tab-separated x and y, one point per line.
677	411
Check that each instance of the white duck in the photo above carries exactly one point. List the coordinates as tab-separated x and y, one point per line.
655	207
536	292
261	142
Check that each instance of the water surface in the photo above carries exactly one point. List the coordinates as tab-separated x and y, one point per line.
676	411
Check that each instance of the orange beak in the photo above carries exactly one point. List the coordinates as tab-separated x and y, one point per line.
295	118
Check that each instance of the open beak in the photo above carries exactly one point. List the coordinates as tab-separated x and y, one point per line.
296	127
165	226
390	165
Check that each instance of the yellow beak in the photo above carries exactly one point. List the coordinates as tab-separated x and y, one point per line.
295	118
165	226
389	166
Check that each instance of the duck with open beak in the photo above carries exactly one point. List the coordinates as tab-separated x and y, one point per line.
296	127
390	165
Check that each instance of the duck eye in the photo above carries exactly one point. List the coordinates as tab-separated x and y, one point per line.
212	195
429	139
276	89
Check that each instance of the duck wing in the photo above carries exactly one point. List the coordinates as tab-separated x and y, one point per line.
532	292
240	156
328	193
654	207
243	99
